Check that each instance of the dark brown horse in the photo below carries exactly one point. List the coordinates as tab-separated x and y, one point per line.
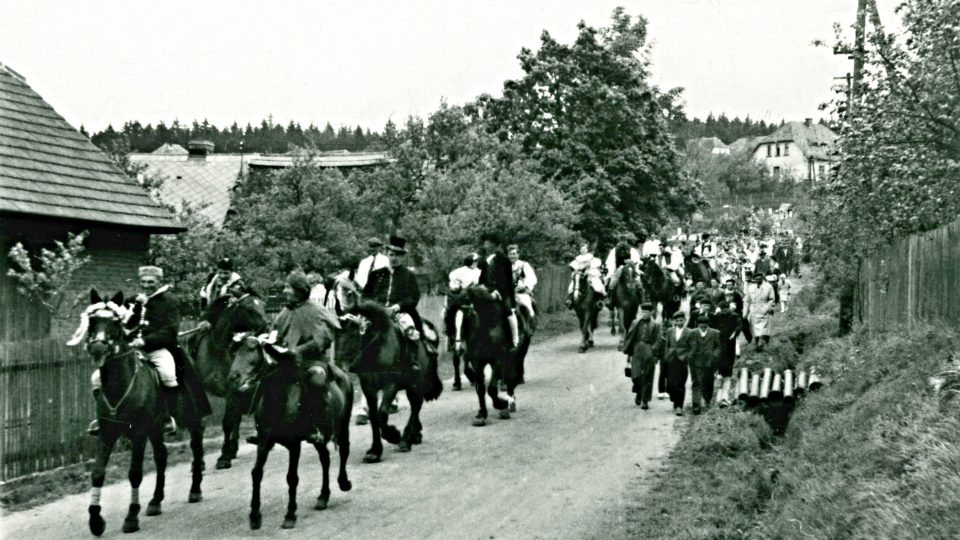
209	349
626	296
128	405
484	336
371	345
272	373
661	288
587	305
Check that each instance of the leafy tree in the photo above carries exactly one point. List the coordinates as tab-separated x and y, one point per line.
899	141
598	128
46	278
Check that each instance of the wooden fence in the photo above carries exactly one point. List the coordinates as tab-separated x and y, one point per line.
915	279
46	403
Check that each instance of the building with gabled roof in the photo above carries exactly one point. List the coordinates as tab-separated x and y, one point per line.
798	150
709	144
54	181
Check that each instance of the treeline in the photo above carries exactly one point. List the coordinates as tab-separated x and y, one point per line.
268	137
721	127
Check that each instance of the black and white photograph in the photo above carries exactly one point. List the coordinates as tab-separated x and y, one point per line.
528	269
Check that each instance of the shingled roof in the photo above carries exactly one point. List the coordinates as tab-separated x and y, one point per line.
814	140
49	169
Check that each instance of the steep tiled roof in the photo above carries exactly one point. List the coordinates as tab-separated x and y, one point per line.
706	143
49	169
815	140
205	183
746	144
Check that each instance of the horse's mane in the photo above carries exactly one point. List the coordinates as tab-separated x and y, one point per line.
379	319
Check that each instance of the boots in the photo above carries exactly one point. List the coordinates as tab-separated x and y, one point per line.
169	398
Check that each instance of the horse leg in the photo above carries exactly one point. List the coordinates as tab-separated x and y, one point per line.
138	441
376	448
160	461
493	389
263	450
387	431
290	520
231	431
457	385
481	418
106	440
324	499
411	433
196	468
343	443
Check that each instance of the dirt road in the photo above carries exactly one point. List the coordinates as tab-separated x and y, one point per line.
560	468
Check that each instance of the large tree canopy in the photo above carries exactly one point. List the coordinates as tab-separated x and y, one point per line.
900	143
598	129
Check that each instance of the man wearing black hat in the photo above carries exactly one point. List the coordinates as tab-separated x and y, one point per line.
496	273
677	347
728	323
395	286
703	362
641	349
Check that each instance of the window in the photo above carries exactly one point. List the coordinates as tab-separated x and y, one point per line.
778	150
776	172
822	170
786	149
769	150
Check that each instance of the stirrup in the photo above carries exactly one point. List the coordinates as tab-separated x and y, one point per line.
170	427
94	428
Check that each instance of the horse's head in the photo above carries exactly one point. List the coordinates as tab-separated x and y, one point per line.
255	357
354	332
347	294
101	327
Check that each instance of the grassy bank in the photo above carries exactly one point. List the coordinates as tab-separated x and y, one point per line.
875	454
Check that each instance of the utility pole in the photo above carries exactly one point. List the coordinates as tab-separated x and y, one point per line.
859	49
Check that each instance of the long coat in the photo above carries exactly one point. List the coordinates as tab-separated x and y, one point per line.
398	286
307	329
642	345
758	307
157	320
675	358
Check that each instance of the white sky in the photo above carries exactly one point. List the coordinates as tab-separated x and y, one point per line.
362	62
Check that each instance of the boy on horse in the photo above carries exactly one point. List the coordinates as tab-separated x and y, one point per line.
524	279
585	263
620	255
496	274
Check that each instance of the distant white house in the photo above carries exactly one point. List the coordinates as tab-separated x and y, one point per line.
797	150
711	144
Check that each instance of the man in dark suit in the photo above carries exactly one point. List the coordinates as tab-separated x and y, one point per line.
496	274
705	352
641	348
395	286
677	346
728	323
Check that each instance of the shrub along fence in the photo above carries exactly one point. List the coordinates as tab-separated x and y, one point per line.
46	401
915	279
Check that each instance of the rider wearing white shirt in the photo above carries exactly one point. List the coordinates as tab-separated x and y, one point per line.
524	278
374	261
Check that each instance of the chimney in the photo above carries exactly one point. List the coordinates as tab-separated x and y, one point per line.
199	149
806	121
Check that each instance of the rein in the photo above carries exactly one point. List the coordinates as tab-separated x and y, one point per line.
113	409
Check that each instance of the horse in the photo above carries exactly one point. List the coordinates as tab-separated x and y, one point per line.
587	305
128	404
371	345
209	349
626	296
662	289
272	373
483	339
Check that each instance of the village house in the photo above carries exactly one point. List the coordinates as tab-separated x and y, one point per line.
203	180
54	181
797	150
709	144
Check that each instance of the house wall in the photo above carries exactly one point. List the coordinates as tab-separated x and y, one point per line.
794	164
115	253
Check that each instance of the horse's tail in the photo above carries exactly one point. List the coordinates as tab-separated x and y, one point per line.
434	384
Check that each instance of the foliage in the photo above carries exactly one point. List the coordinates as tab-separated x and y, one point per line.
725	174
263	138
721	127
598	128
47	278
900	142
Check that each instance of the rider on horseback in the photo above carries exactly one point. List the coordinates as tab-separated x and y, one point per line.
460	278
524	279
497	275
218	283
585	263
622	253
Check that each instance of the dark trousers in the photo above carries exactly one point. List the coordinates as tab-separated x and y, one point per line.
642	371
707	376
677	374
662	379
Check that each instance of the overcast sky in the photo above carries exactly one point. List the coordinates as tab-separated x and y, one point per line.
359	62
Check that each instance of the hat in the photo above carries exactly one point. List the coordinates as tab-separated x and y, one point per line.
703	319
374	242
646	306
225	264
679	316
397	244
299	283
470	259
151	271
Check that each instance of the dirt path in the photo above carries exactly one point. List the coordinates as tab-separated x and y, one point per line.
560	468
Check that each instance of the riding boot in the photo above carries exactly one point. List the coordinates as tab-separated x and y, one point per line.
169	396
94	428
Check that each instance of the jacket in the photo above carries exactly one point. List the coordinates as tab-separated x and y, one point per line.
705	349
157	321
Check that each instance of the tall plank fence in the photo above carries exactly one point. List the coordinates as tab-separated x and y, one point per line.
915	279
46	403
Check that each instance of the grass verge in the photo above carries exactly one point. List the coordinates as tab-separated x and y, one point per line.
875	454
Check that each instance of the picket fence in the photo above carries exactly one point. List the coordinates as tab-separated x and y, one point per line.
46	403
915	279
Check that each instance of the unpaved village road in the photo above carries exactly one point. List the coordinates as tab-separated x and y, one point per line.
560	468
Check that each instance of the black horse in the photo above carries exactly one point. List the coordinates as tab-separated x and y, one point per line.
626	297
662	289
587	305
484	336
128	405
273	374
371	345
209	349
